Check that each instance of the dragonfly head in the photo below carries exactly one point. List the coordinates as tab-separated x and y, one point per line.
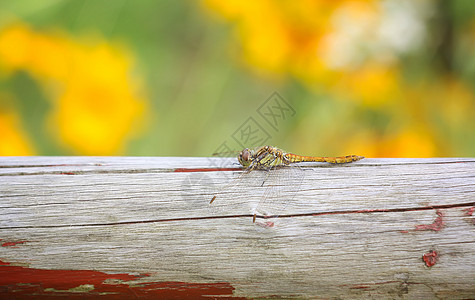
245	157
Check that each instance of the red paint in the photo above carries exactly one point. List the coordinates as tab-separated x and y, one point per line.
206	169
362	211
67	173
11	244
360	287
27	283
268	224
437	225
430	258
469	211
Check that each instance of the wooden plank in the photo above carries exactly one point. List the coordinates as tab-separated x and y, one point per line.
391	228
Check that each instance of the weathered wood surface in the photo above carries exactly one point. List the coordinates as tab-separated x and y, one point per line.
382	228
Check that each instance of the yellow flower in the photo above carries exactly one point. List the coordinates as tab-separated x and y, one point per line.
373	83
97	104
408	142
320	42
15	47
13	140
411	142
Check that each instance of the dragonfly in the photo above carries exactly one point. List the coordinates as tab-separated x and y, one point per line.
269	157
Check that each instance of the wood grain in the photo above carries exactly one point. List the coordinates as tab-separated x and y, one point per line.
359	230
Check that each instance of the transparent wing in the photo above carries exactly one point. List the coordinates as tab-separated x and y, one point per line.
282	186
236	189
264	194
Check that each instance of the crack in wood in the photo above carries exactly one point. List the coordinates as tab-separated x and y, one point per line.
51	165
311	214
91	172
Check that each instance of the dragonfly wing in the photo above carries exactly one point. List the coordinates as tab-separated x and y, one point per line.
282	186
235	192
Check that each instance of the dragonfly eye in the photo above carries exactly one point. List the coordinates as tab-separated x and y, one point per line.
245	154
245	157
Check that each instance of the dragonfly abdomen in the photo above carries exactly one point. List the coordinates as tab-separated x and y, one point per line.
294	158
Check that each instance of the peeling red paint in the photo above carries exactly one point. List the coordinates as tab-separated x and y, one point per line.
360	287
11	244
268	224
430	258
437	225
18	282
67	173
469	211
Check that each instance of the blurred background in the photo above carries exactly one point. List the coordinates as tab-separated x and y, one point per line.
392	78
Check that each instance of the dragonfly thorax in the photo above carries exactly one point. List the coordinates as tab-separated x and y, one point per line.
264	157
